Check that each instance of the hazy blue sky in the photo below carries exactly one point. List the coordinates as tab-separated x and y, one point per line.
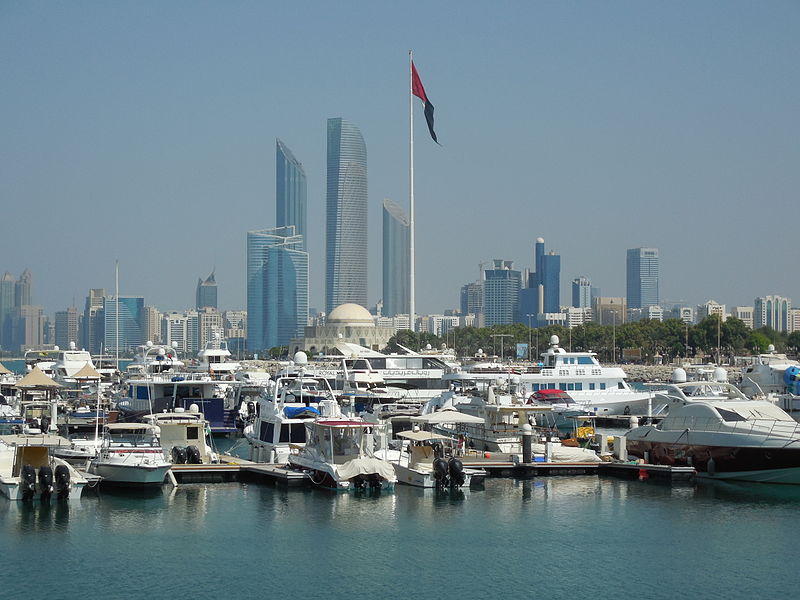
145	131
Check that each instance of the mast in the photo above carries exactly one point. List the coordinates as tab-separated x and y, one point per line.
116	309
411	316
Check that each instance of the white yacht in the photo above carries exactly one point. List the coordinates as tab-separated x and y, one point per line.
131	455
713	427
153	358
338	455
68	363
594	388
278	424
428	460
215	359
185	436
28	468
773	376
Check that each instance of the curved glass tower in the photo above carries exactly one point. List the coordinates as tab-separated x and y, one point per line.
291	197
346	216
395	260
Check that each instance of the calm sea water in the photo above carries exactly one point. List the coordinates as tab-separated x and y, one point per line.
559	537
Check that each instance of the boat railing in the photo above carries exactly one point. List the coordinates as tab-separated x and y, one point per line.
769	428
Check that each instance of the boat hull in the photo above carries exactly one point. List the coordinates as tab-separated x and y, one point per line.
426	479
135	475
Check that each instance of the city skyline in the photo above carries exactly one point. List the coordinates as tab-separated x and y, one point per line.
130	151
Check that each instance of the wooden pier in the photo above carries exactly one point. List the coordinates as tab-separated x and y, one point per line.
232	468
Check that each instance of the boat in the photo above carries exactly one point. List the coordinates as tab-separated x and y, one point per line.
428	460
68	363
338	455
276	425
775	377
215	359
28	468
563	409
153	358
713	427
131	454
185	437
594	388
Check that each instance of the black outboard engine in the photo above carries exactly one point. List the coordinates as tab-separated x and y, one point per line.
62	481
178	455
359	482
46	482
440	472
457	475
27	483
193	455
375	481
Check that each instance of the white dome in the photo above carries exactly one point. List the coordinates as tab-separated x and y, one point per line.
350	314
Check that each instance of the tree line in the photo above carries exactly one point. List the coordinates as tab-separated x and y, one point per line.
648	338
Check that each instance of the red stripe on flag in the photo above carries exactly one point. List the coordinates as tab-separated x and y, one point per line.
416	84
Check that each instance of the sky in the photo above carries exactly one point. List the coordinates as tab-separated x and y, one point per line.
145	132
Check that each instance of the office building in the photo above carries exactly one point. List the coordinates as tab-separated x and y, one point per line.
66	328
346	216
206	295
581	292
642	277
277	287
91	329
290	192
7	284
472	299
711	307
395	260
23	289
130	332
543	291
501	286
772	311
744	314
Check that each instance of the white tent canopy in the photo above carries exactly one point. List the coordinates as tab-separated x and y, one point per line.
447	415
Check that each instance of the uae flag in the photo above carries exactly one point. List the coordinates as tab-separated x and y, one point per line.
419	92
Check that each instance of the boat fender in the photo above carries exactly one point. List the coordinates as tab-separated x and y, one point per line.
46	482
178	455
711	467
27	482
62	481
193	455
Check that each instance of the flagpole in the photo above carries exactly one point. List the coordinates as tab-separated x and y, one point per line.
411	317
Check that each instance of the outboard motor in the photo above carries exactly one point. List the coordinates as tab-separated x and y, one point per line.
457	475
375	481
193	455
440	472
62	481
27	483
178	455
46	482
359	482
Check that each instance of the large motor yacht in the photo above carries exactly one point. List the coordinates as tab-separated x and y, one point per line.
713	427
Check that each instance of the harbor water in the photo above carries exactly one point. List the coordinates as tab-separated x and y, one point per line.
551	537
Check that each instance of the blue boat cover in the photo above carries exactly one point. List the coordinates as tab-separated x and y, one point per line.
299	412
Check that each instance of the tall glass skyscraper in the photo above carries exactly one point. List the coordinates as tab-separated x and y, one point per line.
206	294
346	216
291	198
277	287
395	260
582	292
642	277
501	293
131	323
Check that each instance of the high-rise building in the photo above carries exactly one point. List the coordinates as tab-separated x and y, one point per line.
206	294
772	311
7	284
290	191
66	327
501	287
27	327
277	287
711	307
395	260
131	323
581	292
152	324
744	314
472	298
23	294
346	216
175	331
642	277
91	333
543	292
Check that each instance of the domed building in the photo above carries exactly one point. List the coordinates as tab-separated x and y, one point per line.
345	323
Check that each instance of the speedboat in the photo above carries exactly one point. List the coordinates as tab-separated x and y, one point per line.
713	427
775	377
338	455
29	469
428	460
185	436
563	409
131	455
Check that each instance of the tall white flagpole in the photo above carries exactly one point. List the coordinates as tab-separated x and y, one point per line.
411	316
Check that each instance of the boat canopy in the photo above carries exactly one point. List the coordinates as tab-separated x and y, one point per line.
422	436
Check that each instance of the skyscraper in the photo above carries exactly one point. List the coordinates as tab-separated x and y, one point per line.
346	216
290	191
131	322
772	311
543	293
6	309
66	326
23	289
277	287
395	260
642	277
206	295
92	324
582	292
501	293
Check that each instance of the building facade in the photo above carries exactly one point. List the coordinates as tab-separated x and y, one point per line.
642	277
291	196
501	286
130	333
395	260
772	311
346	216
581	292
206	294
66	327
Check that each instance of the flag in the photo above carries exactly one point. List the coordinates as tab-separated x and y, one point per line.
419	92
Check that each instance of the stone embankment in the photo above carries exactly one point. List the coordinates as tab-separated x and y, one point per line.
655	373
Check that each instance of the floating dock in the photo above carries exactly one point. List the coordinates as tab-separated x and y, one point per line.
232	468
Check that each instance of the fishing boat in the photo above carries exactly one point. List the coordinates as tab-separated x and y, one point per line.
428	460
131	455
29	469
185	437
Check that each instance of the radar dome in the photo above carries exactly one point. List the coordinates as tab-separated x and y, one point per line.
679	376
428	347
300	358
720	375
554	340
771	349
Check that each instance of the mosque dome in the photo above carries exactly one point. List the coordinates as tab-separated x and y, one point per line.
350	314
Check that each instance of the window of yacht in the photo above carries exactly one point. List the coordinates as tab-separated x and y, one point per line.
729	415
591	386
192	433
585	360
602	386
